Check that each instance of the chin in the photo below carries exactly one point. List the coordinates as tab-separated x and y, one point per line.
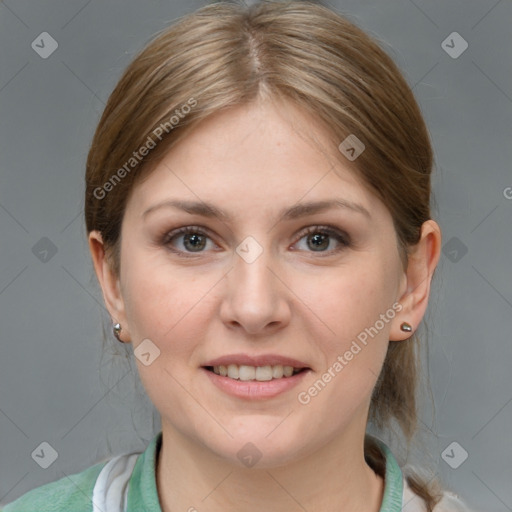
259	452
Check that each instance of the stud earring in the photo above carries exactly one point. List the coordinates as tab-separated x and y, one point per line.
116	329
404	326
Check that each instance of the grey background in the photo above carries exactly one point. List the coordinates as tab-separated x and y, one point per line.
60	385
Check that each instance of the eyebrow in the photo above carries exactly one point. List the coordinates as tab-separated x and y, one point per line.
297	211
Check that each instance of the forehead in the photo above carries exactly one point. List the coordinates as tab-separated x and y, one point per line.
253	155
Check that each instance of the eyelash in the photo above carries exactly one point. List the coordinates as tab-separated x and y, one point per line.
342	238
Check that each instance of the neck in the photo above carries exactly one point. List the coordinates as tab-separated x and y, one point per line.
335	478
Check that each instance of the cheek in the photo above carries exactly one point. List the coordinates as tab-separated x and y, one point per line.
350	299
354	305
352	316
170	310
148	301
166	305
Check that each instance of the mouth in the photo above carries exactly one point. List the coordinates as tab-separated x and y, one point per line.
248	373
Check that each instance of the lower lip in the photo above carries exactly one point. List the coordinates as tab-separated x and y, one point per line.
252	389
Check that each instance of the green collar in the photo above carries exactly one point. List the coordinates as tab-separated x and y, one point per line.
143	494
393	482
142	491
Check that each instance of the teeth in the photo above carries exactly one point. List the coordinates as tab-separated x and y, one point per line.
263	373
259	373
246	372
232	371
277	372
288	371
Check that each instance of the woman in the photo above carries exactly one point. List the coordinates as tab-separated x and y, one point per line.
257	203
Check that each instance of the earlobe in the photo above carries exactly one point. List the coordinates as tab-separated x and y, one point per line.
107	279
422	262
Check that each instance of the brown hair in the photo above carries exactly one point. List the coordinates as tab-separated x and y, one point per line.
226	54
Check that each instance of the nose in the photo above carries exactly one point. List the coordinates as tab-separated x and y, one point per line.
255	297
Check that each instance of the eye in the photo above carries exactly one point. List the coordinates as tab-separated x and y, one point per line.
319	238
194	239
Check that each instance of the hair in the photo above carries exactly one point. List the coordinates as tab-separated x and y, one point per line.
225	55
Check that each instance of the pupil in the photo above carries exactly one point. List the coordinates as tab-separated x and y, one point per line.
197	241
319	240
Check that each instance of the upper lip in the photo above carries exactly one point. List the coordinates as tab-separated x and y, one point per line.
256	360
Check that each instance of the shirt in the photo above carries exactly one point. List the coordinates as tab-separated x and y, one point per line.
127	483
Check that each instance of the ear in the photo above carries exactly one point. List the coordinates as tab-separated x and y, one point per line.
109	283
415	290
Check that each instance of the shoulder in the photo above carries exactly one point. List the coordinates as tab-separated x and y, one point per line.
98	488
398	494
449	502
70	493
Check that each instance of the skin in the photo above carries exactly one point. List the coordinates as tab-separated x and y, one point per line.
295	300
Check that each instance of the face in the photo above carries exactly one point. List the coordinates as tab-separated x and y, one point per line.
264	277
